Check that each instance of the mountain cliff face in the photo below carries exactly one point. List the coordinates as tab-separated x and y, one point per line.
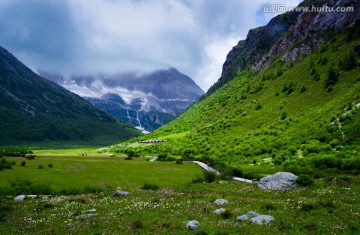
289	94
146	101
292	29
33	109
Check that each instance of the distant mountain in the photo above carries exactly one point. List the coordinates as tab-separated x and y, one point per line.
146	101
33	110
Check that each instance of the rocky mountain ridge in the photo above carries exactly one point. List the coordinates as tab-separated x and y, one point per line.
296	30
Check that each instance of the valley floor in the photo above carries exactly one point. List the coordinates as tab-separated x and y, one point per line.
331	206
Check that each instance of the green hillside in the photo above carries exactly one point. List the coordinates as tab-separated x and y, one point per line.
287	112
36	111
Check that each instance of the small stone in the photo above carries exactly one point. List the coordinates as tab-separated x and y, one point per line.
119	193
252	214
87	215
262	219
192	224
219	211
220	202
242	218
19	198
89	211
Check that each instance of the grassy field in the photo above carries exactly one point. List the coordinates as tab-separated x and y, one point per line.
331	206
74	172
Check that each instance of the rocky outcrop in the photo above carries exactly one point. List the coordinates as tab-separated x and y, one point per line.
278	181
286	32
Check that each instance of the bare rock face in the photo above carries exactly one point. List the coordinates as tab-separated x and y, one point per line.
281	33
278	181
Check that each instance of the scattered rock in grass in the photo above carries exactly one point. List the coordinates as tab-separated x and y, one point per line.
192	225
262	219
89	211
249	215
88	215
219	211
220	202
255	218
242	218
278	181
119	193
21	198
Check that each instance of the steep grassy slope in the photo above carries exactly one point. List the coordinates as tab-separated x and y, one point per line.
34	110
286	112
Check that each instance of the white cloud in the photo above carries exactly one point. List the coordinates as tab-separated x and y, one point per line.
113	36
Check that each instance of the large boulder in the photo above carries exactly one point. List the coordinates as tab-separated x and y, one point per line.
278	181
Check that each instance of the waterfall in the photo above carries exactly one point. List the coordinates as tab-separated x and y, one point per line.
128	116
137	118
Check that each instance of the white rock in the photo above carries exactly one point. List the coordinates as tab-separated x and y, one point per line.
192	224
242	218
219	211
278	181
120	193
220	202
262	219
19	198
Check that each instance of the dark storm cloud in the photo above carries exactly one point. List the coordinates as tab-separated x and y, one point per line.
111	36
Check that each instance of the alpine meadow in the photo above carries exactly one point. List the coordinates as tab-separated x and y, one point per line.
273	147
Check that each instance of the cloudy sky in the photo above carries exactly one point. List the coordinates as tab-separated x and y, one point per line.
114	36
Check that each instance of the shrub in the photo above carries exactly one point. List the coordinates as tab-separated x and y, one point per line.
303	89
128	158
50	165
30	157
258	106
226	214
349	62
198	179
304	180
209	176
23	163
137	224
333	76
149	186
40	166
237	172
283	115
179	161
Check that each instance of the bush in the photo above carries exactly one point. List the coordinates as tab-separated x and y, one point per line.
209	176
198	179
179	161
40	166
23	163
149	186
237	172
226	214
50	165
304	180
128	158
30	157
333	76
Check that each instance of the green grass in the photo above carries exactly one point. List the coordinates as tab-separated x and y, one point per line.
230	126
77	172
329	207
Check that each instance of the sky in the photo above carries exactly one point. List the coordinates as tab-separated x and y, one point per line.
116	36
